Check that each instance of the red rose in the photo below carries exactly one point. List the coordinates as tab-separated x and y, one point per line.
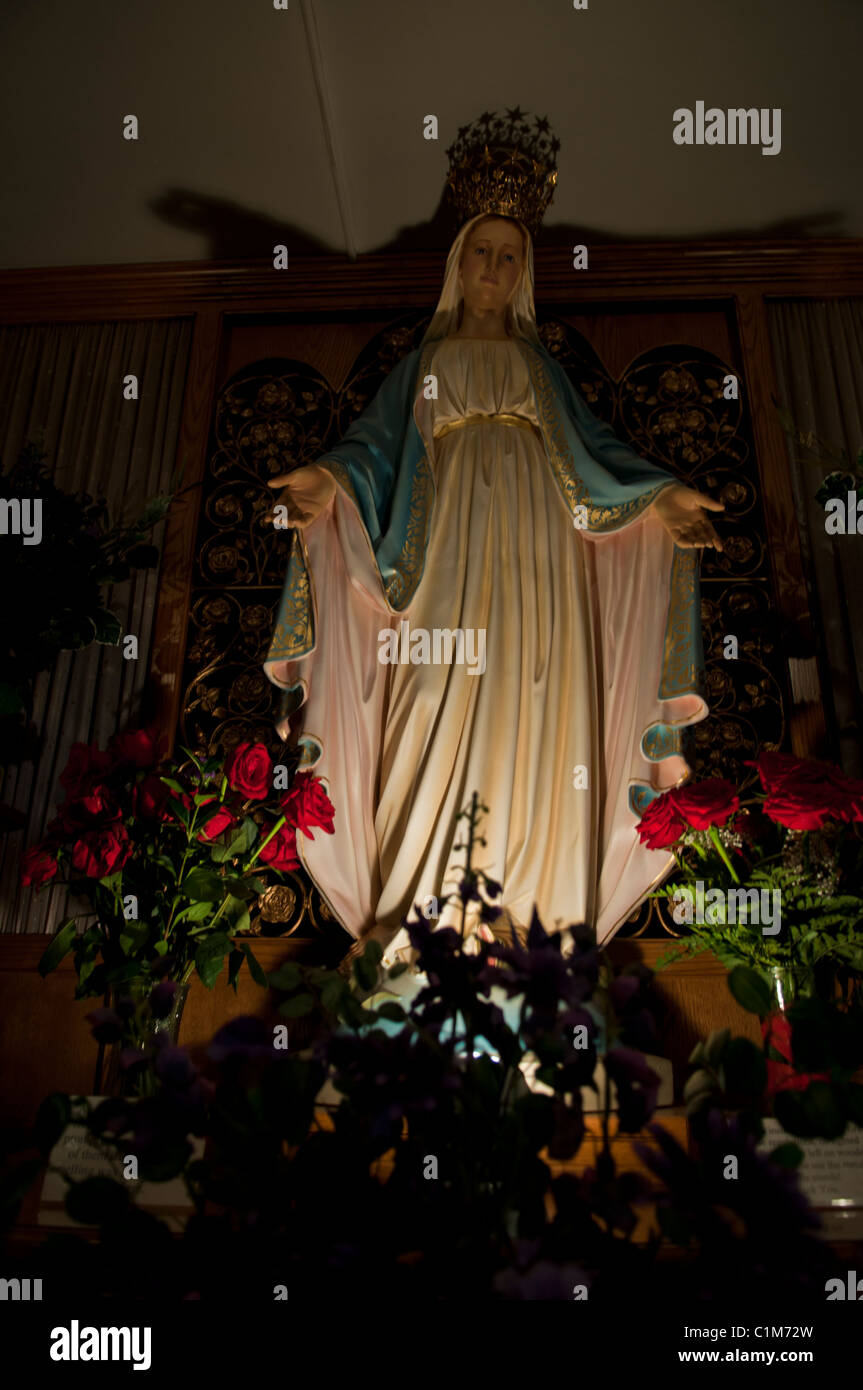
139	746
775	768
711	802
804	793
149	798
218	824
697	805
37	866
781	1076
281	851
101	852
249	770
808	807
661	823
99	803
307	805
85	765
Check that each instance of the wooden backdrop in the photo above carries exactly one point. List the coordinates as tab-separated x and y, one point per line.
288	357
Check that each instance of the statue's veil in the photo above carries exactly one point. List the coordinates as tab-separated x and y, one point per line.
520	312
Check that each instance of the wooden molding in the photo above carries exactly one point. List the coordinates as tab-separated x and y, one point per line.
618	271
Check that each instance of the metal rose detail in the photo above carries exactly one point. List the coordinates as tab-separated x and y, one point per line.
278	903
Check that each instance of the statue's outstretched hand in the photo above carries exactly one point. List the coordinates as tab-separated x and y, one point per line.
305	494
682	512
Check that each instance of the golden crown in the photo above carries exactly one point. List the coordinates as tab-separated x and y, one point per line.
503	164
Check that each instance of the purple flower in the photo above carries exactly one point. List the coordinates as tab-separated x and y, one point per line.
107	1025
162	998
637	1086
244	1037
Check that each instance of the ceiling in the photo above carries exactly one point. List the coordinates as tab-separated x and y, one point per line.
304	125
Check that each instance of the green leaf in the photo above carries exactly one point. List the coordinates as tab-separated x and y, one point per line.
751	990
787	1156
235	961
298	1006
366	972
255	970
107	627
239	887
174	785
821	1107
60	947
287	977
85	970
242	922
243	839
196	912
11	701
333	993
210	957
202	885
154	510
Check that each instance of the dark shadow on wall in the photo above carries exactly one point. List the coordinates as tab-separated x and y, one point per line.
237	233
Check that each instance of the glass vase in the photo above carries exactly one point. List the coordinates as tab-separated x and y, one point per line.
787	986
123	1073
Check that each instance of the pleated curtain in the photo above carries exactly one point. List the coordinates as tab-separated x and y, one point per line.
818	358
61	386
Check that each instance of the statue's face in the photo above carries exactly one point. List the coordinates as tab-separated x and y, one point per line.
491	264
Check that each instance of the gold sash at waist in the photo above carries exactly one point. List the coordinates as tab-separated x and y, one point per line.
477	419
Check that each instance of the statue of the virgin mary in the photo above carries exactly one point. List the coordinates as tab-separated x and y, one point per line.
478	495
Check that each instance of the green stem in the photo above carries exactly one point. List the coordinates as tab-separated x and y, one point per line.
720	849
278	825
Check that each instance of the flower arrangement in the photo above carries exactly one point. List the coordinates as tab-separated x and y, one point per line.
795	841
169	857
771	885
334	1206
